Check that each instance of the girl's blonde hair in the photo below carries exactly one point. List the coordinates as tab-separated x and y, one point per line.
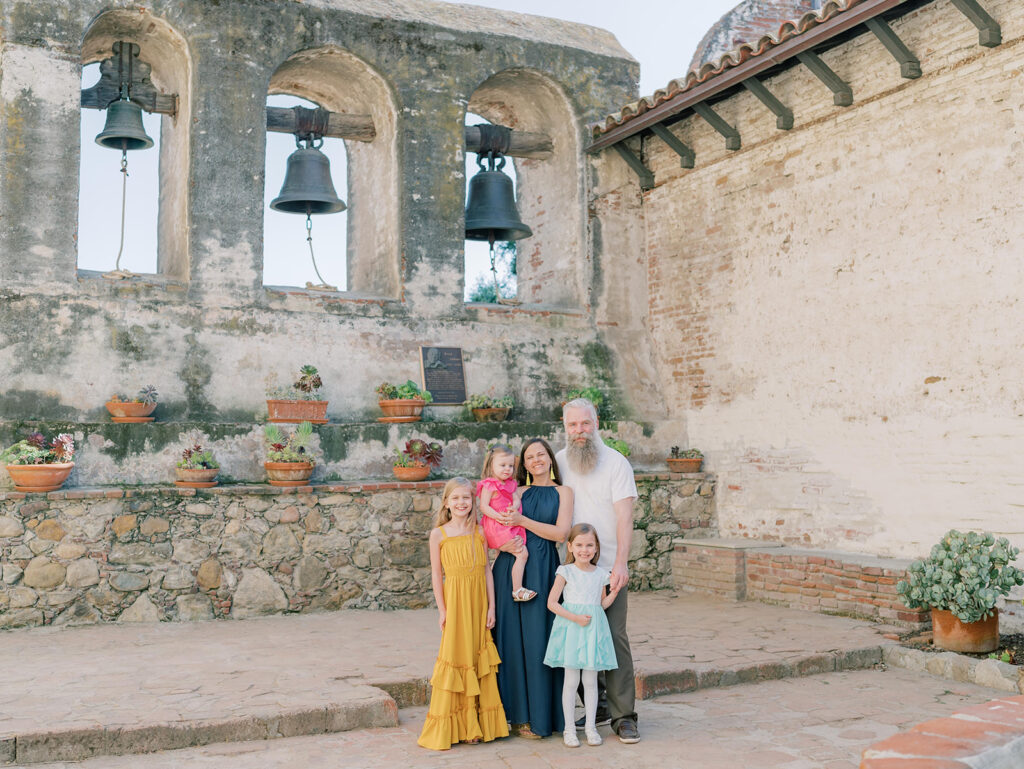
444	514
495	450
575	531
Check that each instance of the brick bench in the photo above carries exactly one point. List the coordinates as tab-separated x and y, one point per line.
828	582
989	735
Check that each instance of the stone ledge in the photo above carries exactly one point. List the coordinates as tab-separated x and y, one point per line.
958	667
990	735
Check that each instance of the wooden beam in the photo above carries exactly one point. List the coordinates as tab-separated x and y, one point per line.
783	115
716	121
339	126
524	144
842	94
687	157
642	171
910	66
990	34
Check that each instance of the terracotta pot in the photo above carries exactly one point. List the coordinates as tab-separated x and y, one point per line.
948	632
288	473
40	477
125	411
196	478
402	409
414	473
684	464
314	412
491	414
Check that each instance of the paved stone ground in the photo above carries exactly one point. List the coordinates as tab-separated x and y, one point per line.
816	722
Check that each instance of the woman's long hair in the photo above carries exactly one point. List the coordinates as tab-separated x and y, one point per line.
522	476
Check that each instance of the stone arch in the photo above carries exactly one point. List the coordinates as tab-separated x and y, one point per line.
164	49
342	82
550	192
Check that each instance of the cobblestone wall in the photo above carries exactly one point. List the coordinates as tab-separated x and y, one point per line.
85	556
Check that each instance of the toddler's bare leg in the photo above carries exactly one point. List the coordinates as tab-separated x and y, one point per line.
518	569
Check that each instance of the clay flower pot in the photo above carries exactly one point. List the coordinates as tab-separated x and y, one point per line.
33	478
491	414
948	632
314	412
130	411
684	464
402	409
196	477
414	473
288	473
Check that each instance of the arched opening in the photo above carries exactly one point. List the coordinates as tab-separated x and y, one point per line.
156	217
550	265
286	254
482	283
342	83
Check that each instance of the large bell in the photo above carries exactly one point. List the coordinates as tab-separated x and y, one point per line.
491	212
124	129
307	187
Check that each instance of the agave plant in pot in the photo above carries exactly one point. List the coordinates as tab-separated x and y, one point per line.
133	410
413	463
36	464
197	469
402	403
300	402
289	458
960	581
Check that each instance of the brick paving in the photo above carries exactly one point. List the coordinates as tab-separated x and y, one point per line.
816	722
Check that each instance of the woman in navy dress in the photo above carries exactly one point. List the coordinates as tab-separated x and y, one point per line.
530	691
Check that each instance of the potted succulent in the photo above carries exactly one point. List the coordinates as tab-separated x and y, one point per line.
402	403
300	402
197	469
413	463
37	465
137	409
960	581
489	408
688	461
289	458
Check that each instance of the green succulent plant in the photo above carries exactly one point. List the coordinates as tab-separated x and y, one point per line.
291	448
964	574
387	391
619	445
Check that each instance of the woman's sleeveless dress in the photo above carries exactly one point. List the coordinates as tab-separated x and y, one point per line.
464	703
530	692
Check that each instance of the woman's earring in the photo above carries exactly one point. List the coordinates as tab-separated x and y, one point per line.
551	472
529	479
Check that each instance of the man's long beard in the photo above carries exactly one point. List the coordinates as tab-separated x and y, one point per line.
582	456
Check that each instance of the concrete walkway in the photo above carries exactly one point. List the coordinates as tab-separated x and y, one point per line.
72	693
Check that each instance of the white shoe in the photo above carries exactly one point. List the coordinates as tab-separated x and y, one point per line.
570	739
593	738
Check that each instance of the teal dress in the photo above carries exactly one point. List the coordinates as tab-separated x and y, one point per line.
588	647
530	691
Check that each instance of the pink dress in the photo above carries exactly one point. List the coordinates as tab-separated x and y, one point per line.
496	534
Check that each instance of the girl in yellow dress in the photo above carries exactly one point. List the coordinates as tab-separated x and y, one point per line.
464	703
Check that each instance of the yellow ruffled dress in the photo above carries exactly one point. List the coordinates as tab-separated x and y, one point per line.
464	702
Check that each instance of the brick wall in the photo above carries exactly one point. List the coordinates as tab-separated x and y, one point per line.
835	309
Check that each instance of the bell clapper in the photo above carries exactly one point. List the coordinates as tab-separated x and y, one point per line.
117	273
322	285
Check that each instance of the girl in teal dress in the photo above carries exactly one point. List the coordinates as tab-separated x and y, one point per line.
581	641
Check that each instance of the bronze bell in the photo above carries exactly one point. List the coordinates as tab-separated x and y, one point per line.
307	187
123	129
491	212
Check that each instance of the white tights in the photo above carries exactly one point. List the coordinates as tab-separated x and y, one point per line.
572	681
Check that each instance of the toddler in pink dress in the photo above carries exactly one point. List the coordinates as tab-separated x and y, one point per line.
497	493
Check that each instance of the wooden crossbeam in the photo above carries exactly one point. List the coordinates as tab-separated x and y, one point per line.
842	94
642	171
910	65
687	157
990	34
712	118
783	115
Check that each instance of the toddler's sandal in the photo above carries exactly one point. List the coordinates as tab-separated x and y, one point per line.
523	594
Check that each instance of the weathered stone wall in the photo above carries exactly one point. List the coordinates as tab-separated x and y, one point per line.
205	330
97	555
836	308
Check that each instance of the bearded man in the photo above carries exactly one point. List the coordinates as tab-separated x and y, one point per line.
603	490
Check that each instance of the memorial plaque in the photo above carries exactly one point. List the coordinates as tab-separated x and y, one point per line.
444	375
